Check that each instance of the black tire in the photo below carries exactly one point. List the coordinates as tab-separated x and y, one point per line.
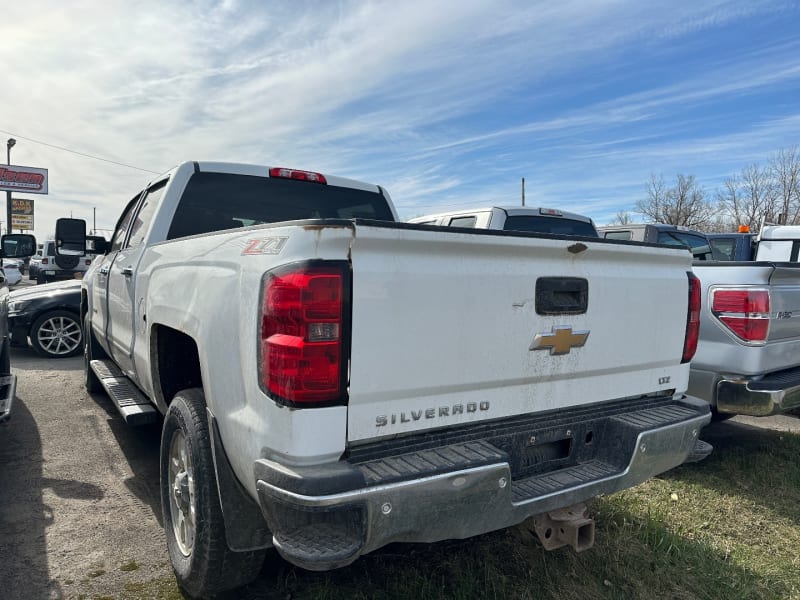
5	358
206	566
57	334
40	279
67	262
91	351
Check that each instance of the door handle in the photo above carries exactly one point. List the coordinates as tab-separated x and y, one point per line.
127	271
104	271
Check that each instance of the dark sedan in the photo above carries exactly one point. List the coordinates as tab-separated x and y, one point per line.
49	315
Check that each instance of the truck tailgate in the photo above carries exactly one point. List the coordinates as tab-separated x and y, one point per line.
443	324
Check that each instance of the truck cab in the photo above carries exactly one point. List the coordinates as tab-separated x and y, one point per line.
515	218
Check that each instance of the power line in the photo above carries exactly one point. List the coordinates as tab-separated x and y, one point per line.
108	160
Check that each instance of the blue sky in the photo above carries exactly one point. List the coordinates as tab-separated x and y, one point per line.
446	104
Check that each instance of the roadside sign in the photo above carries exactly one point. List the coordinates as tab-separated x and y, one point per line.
21	213
15	178
22	222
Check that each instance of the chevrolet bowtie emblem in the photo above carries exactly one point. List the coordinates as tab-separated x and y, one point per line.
560	341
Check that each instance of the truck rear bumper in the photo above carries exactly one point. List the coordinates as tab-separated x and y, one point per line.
770	395
325	517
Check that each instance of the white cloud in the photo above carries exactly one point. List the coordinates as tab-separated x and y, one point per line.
424	98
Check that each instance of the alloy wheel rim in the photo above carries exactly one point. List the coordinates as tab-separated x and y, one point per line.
181	494
59	335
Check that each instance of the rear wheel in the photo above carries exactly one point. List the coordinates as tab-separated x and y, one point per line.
193	522
57	334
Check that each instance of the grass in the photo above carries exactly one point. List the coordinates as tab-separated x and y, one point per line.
725	528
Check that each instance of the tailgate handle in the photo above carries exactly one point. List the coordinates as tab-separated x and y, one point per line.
562	295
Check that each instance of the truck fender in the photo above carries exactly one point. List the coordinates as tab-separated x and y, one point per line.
245	527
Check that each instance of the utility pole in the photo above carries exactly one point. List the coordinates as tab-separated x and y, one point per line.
9	144
523	191
94	220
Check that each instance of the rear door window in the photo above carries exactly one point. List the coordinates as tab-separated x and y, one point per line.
468	222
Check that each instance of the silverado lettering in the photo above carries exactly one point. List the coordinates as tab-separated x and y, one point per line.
431	413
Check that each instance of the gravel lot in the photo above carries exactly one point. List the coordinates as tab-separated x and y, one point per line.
80	514
78	488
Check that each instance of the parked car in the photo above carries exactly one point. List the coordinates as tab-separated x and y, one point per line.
13	246
35	262
53	267
50	316
12	270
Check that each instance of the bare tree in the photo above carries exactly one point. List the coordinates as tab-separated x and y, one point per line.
758	194
623	217
682	204
784	171
741	199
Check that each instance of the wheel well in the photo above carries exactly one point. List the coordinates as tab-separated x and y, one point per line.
177	363
84	304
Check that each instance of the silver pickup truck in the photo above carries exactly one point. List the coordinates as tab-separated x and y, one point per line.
748	355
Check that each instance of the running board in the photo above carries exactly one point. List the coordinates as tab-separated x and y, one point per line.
134	407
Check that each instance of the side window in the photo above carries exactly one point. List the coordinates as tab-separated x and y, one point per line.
122	226
723	248
143	218
463	221
618	235
697	245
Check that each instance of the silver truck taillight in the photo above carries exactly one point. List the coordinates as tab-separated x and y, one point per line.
743	311
692	319
301	344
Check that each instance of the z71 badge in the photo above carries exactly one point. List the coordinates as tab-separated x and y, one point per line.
270	245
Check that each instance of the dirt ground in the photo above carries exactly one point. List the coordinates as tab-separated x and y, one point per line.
80	514
80	509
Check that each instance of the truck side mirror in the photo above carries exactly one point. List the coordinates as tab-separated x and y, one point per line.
18	245
97	244
70	237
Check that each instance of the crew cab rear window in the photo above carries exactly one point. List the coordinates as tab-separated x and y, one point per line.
463	221
619	235
218	201
556	225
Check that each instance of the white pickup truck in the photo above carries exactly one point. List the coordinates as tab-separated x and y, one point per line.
332	381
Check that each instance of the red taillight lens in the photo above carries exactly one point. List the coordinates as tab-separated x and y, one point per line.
88	261
44	261
302	323
692	319
745	312
296	174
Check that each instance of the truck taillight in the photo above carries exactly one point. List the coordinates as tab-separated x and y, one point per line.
88	261
44	261
304	312
692	319
745	312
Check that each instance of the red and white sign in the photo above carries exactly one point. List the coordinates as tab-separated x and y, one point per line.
31	180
